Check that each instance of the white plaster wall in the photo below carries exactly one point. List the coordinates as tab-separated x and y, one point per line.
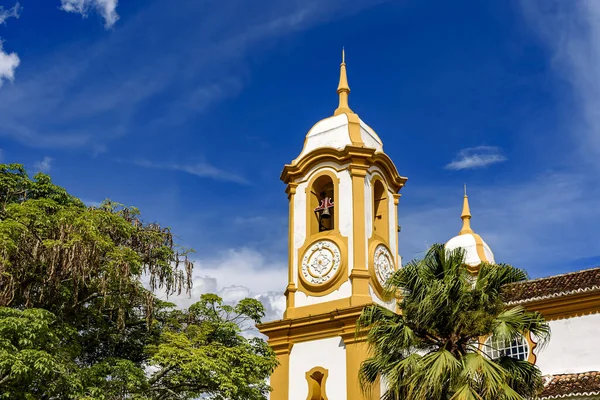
467	242
488	252
333	132
390	305
369	137
329	132
326	353
344	291
573	346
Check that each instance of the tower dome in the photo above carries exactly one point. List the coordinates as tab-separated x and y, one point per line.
344	128
476	249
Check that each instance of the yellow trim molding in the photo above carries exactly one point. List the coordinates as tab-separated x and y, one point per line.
567	306
341	275
377	287
396	228
291	288
358	156
280	378
338	322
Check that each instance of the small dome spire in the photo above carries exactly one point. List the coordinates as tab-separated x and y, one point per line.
466	215
343	89
476	249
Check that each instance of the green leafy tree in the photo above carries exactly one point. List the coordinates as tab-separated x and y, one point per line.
76	322
434	348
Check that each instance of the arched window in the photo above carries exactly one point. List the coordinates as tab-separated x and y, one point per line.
316	378
322	203
381	214
517	348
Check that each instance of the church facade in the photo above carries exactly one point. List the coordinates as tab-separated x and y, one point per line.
343	193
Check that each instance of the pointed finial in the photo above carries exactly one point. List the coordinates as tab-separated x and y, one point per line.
343	89
466	215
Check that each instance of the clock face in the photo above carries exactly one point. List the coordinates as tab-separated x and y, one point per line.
383	263
321	262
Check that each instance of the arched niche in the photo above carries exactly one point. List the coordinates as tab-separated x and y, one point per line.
316	379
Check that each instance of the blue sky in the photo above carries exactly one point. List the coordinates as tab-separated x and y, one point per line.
189	110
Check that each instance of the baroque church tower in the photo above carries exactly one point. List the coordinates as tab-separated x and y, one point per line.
343	244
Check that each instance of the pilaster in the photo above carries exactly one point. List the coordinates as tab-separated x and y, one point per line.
290	292
280	378
359	275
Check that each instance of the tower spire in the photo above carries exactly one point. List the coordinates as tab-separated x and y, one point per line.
343	89
466	215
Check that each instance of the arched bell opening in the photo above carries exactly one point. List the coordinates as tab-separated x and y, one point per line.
322	202
381	212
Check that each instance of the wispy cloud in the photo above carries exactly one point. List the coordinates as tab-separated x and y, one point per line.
106	8
13	12
476	157
201	169
44	165
544	225
571	31
68	101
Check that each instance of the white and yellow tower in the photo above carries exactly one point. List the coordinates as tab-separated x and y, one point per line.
343	244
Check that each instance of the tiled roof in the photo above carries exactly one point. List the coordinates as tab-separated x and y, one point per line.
586	384
553	286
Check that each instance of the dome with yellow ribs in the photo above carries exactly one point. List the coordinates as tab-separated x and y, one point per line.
476	249
344	128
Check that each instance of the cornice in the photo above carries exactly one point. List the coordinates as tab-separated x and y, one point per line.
566	305
339	322
358	157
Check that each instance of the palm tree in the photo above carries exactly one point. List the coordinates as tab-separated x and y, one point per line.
435	348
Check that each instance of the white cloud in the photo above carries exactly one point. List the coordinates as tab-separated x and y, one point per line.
106	8
13	12
201	169
44	165
476	157
571	31
8	64
236	274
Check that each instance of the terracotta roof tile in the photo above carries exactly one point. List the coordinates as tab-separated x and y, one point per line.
553	286
572	385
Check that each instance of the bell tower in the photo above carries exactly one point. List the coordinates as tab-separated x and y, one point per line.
343	245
